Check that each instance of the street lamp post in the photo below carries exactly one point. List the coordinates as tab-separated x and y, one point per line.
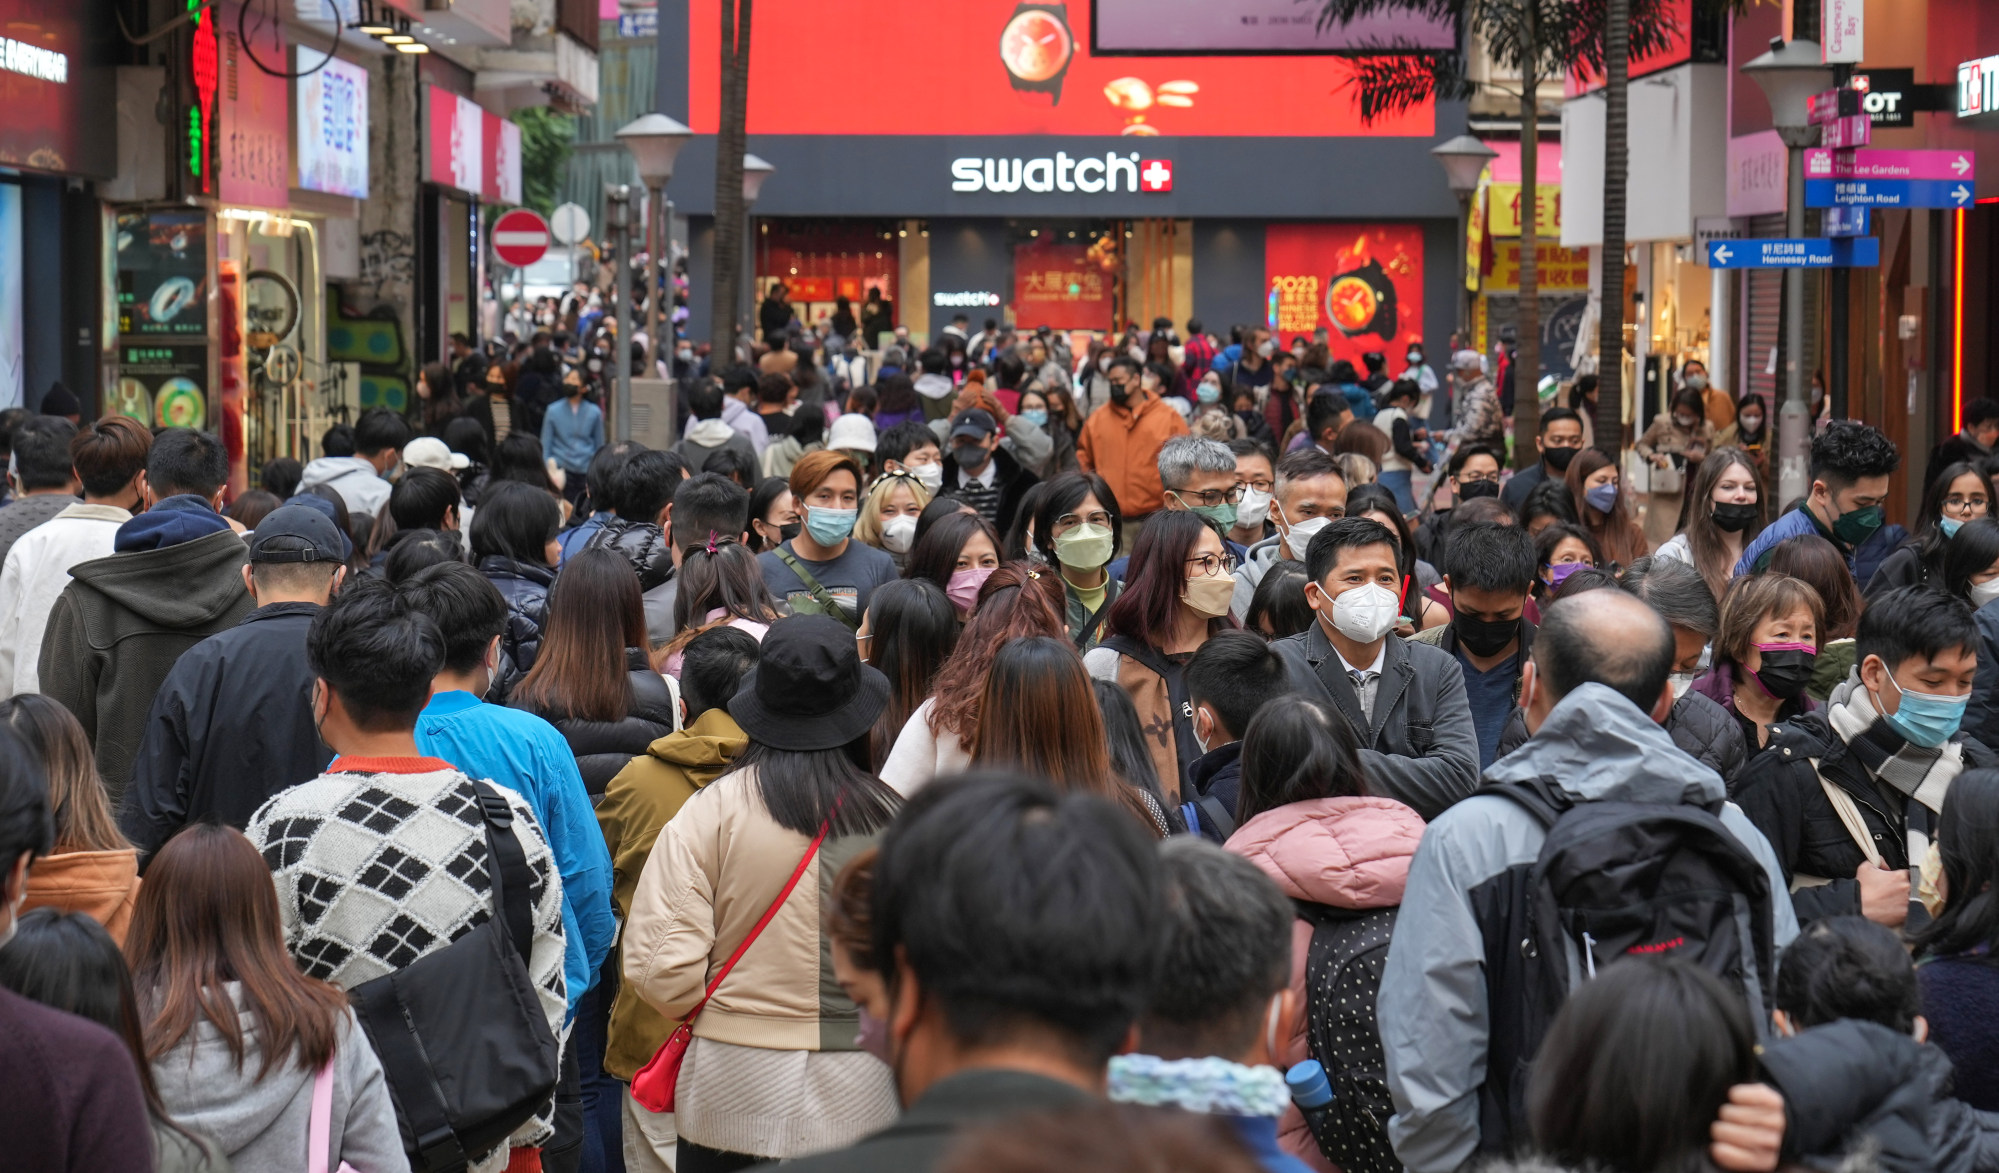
1464	159
755	172
618	220
1789	74
655	141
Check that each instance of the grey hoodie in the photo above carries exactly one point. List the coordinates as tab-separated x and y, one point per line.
1598	747
261	1119
353	478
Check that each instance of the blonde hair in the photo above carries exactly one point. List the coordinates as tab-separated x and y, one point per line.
868	526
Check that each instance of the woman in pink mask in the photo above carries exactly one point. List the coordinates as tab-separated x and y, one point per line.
1764	653
958	553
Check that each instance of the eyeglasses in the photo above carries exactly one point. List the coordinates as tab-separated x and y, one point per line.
1260	484
1210	497
1210	565
1958	501
1100	517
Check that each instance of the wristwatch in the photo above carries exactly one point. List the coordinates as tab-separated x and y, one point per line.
1036	48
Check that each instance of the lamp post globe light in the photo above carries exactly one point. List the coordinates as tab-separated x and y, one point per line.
1463	159
1789	74
654	141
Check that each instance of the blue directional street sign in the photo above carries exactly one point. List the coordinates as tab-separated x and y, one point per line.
1889	193
1810	252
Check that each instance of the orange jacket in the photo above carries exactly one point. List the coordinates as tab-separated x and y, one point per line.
1121	445
101	884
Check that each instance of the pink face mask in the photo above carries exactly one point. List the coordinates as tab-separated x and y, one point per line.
872	1036
963	589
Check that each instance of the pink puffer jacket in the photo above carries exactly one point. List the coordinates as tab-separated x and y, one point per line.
1346	852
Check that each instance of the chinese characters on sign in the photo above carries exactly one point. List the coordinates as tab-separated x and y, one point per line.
1059	285
333	128
1363	282
253	151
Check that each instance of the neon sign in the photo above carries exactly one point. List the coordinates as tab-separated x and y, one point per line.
204	63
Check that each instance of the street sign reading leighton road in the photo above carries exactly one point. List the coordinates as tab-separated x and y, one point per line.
1889	193
1810	252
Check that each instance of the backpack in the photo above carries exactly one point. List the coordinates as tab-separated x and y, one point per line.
1612	879
1342	980
465	1049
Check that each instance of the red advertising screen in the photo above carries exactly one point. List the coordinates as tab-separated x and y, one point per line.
1060	285
1257	26
56	106
1363	282
1004	67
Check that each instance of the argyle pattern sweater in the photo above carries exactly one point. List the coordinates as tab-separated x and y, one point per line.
380	861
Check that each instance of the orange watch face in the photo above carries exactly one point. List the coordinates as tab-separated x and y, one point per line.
1351	304
1035	46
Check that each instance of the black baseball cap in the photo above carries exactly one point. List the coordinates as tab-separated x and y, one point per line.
976	422
297	533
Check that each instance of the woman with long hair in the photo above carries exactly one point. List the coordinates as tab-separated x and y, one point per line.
1050	409
592	679
1606	507
1818	563
94	869
907	634
721	583
1305	817
1178	588
774	1070
889	510
958	554
1018	600
437	391
1125	740
66	960
1041	719
1675	445
237	1036
519	458
1748	433
1764	653
1962	493
773	515
1077	530
1971	565
514	547
1954	952
465	437
1724	514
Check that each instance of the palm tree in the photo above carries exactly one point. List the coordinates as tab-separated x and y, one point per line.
730	143
1538	39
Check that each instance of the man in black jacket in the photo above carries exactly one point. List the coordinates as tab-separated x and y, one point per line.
232	724
981	473
1879	757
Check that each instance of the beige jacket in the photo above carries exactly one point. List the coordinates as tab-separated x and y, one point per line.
716	868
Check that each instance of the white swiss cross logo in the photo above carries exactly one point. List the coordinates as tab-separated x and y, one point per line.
1155	175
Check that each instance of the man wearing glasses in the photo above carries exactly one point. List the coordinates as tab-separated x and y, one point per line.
1198	475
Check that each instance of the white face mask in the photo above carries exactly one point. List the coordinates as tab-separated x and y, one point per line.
1984	592
1681	682
930	476
1253	508
1301	535
1365	613
899	534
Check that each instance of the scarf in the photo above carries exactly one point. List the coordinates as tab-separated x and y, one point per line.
1922	776
1211	1086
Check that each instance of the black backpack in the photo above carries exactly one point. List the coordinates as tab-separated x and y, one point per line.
464	1045
1613	879
1342	980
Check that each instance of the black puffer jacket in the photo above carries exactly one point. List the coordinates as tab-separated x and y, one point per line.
602	748
1700	728
642	543
525	587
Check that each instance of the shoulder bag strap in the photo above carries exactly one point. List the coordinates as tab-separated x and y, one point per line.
1849	816
1095	621
513	884
770	914
819	593
318	1133
1216	815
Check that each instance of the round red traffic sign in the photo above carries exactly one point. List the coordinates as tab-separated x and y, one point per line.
520	237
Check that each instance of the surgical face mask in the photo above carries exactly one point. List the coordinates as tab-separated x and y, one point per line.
1484	637
1733	517
1949	526
1208	392
1926	718
1365	613
1602	498
1984	592
930	476
1697	382
1686	423
872	1036
1301	534
1120	391
1681	682
1210	595
1471	490
1036	415
1415	357
1749	425
970	457
1104	363
1560	572
1220	518
1786	668
963	589
1083	547
829	527
596	364
1267	349
1559	458
1857	525
1254	507
899	534
684	354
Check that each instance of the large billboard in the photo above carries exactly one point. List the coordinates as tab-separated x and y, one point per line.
333	127
1362	282
56	101
1006	67
1256	27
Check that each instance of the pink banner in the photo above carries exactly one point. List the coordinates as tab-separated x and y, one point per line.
253	132
1821	163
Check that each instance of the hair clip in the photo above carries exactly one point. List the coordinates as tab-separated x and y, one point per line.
713	543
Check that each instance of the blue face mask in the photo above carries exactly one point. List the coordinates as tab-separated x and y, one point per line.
1208	393
1601	498
1926	718
1950	526
1036	416
830	527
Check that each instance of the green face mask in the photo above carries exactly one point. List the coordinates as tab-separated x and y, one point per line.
1857	525
1220	518
1084	547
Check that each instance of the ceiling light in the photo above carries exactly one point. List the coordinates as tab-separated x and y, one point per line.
399	39
412	48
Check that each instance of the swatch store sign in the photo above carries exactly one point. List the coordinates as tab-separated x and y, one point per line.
1111	173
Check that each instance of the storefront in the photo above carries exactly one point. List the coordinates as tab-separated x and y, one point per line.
1081	193
1493	259
472	158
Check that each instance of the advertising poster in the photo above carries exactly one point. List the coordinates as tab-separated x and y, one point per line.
253	138
1556	269
1014	67
1060	285
162	385
333	128
502	141
1256	26
12	345
455	148
57	100
1363	282
163	274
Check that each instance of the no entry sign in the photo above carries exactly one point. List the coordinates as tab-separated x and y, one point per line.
520	237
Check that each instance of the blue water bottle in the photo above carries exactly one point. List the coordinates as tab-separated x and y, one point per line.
1313	1094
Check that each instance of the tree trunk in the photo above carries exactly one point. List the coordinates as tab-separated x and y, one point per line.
1610	328
730	215
1527	322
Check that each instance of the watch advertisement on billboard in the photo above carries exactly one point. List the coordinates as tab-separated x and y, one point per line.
162	385
1009	67
1256	27
1362	282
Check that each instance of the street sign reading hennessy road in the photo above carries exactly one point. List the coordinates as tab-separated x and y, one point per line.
1809	252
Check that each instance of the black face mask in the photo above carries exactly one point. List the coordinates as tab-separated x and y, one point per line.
1735	518
789	530
1559	458
1785	673
969	456
1120	392
1484	637
1475	489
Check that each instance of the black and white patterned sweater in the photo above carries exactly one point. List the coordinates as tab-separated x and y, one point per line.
380	861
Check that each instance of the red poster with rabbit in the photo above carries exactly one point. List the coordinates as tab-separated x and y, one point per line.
1362	282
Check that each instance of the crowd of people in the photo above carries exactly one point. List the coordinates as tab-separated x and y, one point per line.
1186	754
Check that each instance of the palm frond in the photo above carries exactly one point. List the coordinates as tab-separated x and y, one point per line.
1386	86
1344	12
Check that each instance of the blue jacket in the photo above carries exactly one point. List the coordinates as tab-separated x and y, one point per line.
570	436
1863	561
576	537
526	755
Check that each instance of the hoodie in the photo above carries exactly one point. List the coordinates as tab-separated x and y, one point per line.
1598	747
740	418
636	806
1344	852
705	438
353	477
117	628
260	1118
102	885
